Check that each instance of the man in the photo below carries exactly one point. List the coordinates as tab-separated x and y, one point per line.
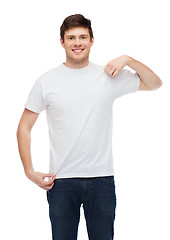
78	96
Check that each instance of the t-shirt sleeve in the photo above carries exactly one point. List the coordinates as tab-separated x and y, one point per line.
35	101
126	82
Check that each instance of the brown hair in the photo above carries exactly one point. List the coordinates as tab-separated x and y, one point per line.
76	20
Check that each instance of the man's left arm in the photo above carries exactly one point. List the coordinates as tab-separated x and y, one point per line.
148	79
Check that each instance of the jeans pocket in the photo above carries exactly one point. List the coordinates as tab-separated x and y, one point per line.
108	179
60	185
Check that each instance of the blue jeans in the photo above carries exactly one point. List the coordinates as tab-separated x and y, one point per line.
98	198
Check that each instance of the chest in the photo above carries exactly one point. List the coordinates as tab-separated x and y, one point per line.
76	95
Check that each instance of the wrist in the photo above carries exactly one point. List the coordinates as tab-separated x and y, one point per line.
127	59
29	172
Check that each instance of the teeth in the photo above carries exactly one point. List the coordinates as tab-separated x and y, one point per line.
77	51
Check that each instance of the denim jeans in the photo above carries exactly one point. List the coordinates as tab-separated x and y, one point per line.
98	199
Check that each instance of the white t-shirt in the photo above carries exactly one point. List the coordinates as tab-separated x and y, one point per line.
78	104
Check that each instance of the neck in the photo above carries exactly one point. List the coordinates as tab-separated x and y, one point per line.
76	65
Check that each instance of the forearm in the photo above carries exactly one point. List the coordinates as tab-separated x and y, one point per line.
24	146
145	73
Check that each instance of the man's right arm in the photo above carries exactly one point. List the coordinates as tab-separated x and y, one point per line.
24	146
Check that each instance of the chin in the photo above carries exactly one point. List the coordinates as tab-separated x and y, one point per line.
78	60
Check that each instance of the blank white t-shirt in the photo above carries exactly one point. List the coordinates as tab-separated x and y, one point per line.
78	104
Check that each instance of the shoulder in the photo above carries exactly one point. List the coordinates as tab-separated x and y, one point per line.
49	74
96	66
98	70
124	73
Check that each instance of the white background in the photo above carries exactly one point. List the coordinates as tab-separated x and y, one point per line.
30	46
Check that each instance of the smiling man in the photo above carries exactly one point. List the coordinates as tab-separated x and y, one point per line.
78	96
77	44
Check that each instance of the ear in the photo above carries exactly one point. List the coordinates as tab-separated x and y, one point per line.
62	44
92	41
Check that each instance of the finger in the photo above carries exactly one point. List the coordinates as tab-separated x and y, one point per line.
107	68
115	73
52	176
50	187
111	72
47	187
48	183
49	174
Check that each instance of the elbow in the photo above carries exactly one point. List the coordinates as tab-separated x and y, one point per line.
161	83
157	84
17	132
20	130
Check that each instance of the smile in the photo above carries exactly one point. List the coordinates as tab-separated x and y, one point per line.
77	50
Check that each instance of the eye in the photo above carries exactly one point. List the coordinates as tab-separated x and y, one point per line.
83	37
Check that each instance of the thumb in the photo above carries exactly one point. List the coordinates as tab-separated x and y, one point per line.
48	177
50	174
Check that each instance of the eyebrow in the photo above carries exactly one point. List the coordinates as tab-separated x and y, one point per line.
74	35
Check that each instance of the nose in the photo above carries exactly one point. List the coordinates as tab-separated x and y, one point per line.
77	41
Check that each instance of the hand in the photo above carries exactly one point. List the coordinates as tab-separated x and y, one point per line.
38	178
114	66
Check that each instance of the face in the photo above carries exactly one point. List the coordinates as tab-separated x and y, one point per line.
77	44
